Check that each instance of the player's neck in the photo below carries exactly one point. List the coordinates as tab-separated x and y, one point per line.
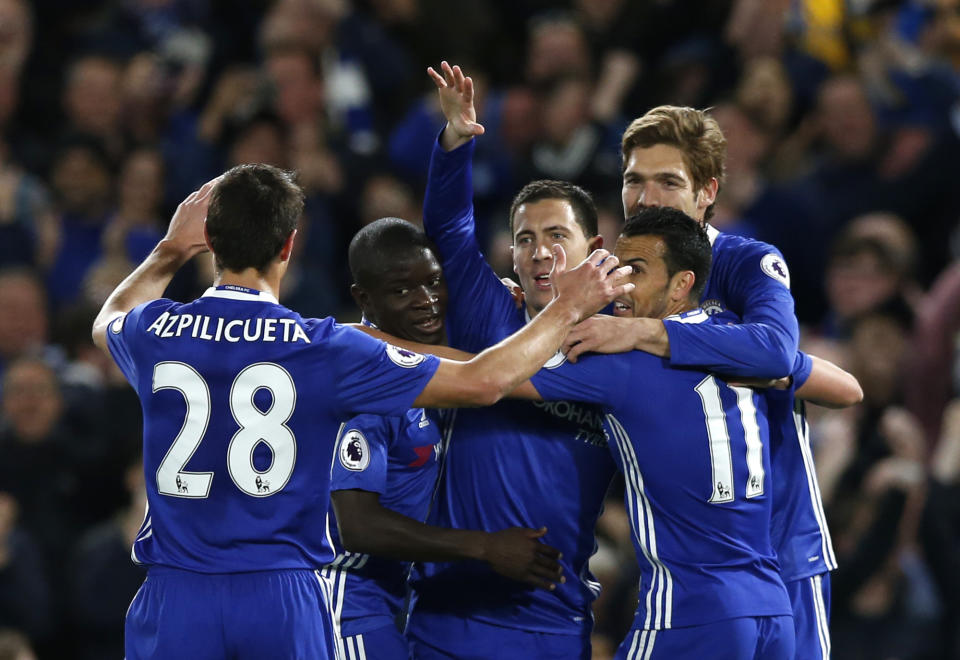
678	308
251	278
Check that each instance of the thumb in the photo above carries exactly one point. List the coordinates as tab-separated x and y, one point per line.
476	129
559	259
539	534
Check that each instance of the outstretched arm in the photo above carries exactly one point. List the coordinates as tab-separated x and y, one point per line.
830	386
184	240
367	526
495	372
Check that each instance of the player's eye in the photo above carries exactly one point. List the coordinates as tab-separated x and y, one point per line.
435	282
402	291
557	236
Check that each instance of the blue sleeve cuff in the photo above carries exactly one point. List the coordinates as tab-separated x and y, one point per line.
802	366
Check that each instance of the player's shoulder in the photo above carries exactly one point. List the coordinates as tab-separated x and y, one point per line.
373	425
736	253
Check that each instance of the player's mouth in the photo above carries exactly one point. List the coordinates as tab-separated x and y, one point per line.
542	281
430	324
622	307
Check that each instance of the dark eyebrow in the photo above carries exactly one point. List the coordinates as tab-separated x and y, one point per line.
635	260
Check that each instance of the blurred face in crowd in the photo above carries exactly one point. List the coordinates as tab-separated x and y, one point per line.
858	283
658	176
260	142
82	181
409	299
298	87
566	110
141	184
877	346
23	323
846	118
93	98
16	34
31	400
537	226
555	48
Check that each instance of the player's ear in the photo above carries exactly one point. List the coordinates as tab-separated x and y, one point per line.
594	243
682	284
360	296
287	248
708	194
206	238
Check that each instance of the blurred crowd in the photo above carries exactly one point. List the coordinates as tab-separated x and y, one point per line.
843	122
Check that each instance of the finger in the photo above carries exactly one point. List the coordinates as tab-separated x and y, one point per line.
436	78
468	90
597	256
623	290
447	73
548	551
544	572
621	273
609	264
539	582
576	351
559	259
539	533
548	564
458	77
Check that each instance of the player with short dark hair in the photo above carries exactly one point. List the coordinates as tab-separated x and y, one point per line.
385	467
695	455
517	463
242	398
674	156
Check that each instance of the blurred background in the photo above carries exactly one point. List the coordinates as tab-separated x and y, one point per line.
843	124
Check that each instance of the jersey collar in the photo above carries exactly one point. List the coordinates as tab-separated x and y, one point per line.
232	292
712	232
691	316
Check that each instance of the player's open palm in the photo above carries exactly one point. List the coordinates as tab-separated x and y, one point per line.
518	554
186	226
456	100
592	285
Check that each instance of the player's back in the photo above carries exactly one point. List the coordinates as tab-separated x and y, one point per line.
242	400
695	460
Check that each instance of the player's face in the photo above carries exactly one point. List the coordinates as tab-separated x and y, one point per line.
657	176
538	226
410	300
650	296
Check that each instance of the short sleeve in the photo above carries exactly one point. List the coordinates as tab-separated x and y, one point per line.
599	379
802	367
125	331
361	458
374	377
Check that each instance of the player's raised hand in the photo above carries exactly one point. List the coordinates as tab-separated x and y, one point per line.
518	554
599	334
186	227
456	101
592	285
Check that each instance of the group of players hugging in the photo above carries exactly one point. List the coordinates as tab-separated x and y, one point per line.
296	467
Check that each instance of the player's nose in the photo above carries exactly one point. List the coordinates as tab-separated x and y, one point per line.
542	252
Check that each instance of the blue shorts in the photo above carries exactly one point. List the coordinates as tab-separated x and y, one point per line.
810	598
448	637
743	638
380	644
268	614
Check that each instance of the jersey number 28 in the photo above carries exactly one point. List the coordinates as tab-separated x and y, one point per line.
256	426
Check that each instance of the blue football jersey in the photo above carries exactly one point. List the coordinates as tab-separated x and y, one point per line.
749	283
396	457
695	457
242	399
750	280
517	463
